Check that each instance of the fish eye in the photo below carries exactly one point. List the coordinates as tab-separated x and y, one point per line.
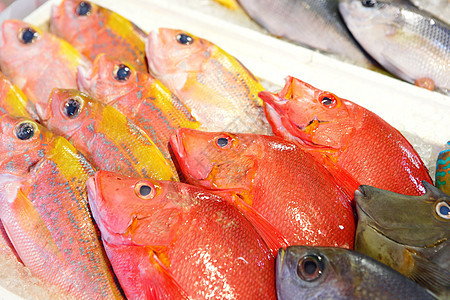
223	141
184	39
443	210
368	3
145	190
121	72
310	267
83	9
328	100
25	130
72	108
28	35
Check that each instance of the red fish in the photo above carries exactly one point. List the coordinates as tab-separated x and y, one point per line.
346	137
93	29
37	61
273	180
13	101
168	240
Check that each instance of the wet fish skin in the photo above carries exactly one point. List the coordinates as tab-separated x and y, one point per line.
438	8
314	23
218	90
407	42
139	96
305	272
178	241
108	139
13	101
32	66
272	179
99	30
442	178
44	209
348	139
408	233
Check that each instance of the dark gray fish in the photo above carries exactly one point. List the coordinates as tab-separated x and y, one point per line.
408	233
314	23
304	272
406	41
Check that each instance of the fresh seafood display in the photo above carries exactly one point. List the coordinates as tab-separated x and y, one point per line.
442	179
157	166
408	233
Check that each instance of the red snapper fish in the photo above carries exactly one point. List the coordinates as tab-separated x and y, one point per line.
93	29
37	61
139	96
169	240
13	101
219	91
346	137
272	181
44	209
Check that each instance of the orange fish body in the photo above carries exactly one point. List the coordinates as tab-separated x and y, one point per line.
347	137
219	91
139	96
168	240
44	209
108	139
93	29
275	179
37	61
13	101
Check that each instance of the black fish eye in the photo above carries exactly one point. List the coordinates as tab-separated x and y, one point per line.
83	9
184	39
368	3
222	142
327	101
72	108
443	210
122	72
310	267
145	190
28	35
25	131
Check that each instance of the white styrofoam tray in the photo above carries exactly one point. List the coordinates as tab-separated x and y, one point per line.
421	115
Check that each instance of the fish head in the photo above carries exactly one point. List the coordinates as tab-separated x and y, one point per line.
20	43
67	111
23	143
416	221
71	17
173	52
304	272
109	78
216	160
136	211
305	114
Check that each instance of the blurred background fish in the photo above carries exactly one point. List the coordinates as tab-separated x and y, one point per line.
411	234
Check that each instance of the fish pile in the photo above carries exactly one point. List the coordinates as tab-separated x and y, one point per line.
156	166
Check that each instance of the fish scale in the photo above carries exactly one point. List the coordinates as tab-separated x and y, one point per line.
45	211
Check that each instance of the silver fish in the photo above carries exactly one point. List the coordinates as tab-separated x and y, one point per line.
314	23
305	272
408	233
409	43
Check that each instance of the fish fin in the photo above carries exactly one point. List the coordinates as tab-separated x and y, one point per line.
273	238
429	274
343	178
158	282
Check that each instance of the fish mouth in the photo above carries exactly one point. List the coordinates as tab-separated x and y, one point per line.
151	43
280	261
84	78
